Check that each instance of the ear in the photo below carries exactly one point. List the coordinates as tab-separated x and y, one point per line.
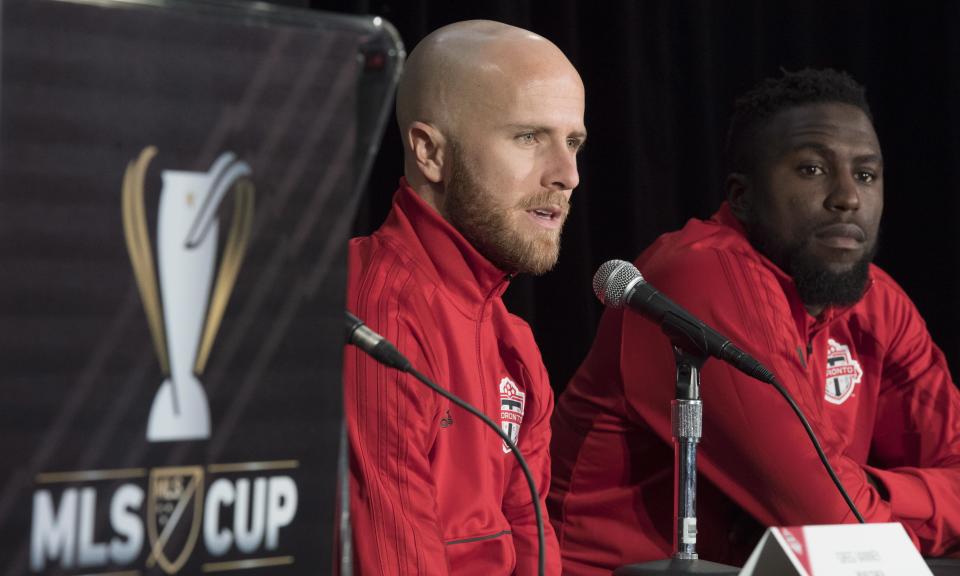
739	191
427	145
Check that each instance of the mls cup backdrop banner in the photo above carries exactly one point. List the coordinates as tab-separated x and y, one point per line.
174	201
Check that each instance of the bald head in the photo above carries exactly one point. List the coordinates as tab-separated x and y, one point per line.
453	66
467	72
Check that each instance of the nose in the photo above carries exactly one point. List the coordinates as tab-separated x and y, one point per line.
561	171
844	193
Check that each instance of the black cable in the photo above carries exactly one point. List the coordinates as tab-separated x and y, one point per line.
816	444
516	452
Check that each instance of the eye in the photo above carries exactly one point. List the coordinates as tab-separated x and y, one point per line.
865	176
810	170
575	144
527	138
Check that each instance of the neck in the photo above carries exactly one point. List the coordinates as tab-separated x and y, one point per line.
429	192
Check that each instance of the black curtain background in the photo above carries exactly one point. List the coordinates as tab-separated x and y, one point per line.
661	77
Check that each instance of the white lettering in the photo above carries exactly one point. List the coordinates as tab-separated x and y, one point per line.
248	517
281	507
217	540
53	535
90	553
64	532
126	523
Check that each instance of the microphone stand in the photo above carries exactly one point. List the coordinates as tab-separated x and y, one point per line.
686	417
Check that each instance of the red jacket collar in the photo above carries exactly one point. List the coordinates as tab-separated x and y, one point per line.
441	250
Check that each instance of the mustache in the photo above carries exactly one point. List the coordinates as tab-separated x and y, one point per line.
544	199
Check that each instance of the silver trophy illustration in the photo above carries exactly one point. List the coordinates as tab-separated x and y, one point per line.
187	238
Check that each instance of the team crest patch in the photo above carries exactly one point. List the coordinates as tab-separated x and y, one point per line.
511	411
843	373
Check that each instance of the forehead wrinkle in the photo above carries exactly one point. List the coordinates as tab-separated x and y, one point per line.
842	135
812	146
548	95
859	154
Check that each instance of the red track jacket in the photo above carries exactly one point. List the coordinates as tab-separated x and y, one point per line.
873	385
433	490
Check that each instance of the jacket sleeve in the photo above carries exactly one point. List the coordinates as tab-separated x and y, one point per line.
916	442
518	508
391	419
754	448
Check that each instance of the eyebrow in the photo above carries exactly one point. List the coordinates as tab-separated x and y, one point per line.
827	151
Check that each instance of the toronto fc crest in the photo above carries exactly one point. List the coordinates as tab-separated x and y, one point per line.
843	373
511	410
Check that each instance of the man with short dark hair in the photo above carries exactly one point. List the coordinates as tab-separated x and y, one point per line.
491	118
783	269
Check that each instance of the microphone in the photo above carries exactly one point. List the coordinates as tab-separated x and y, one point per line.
374	344
618	283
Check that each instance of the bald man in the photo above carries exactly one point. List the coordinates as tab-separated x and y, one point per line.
492	119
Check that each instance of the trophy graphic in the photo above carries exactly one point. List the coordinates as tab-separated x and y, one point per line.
184	323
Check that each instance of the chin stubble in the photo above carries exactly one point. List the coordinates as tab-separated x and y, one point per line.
492	228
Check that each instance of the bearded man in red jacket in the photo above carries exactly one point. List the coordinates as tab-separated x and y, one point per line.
491	118
784	270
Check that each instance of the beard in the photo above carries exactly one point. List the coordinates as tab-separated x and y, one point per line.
492	227
817	284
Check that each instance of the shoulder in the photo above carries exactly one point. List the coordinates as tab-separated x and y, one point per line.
714	273
885	298
885	286
887	306
387	288
380	264
706	258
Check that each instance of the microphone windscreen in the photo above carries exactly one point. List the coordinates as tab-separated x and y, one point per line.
611	281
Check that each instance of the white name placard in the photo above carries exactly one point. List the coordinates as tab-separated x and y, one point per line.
836	550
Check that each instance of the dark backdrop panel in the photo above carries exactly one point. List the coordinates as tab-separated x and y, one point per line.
85	87
661	77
